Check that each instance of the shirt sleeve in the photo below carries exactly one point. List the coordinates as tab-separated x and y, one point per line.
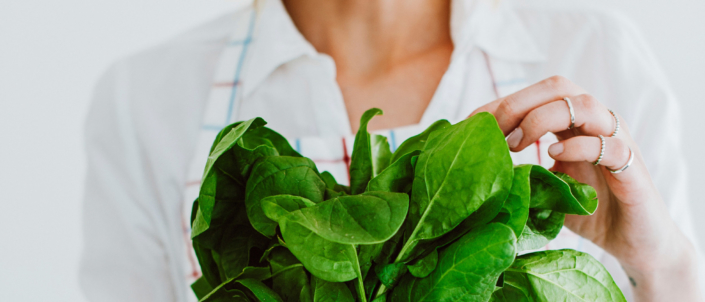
124	256
642	96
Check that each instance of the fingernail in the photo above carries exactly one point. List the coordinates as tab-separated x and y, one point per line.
515	138
555	149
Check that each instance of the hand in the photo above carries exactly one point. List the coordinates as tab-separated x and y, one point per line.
631	222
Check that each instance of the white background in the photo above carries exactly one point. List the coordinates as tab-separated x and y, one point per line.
51	53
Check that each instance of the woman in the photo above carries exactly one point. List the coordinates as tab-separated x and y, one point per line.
311	67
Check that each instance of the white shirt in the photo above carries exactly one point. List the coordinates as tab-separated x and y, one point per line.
154	112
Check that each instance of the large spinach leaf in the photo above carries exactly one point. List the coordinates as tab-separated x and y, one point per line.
515	210
562	275
461	167
362	166
559	192
467	270
280	175
368	218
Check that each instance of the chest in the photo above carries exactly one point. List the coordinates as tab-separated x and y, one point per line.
403	91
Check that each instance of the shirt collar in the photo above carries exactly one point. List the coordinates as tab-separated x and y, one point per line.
486	24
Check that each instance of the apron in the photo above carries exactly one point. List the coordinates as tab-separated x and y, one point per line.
332	154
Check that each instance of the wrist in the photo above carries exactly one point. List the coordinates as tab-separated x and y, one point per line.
669	275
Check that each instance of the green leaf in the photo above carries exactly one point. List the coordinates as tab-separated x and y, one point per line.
517	289
277	140
462	166
329	180
227	138
361	162
280	175
559	192
331	261
328	260
260	291
226	172
234	250
398	177
425	265
390	274
562	275
366	254
324	291
417	142
467	270
277	206
226	292
288	274
209	267
515	211
541	227
201	287
381	153
368	218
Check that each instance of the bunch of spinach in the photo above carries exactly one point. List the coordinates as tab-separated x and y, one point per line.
442	218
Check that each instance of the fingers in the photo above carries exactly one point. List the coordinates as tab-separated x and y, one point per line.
587	148
591	118
511	110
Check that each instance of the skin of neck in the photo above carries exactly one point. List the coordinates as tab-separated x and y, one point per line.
369	37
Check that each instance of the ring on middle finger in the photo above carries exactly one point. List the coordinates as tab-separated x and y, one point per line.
571	111
602	150
616	123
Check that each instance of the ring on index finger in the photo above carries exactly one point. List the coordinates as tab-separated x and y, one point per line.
572	112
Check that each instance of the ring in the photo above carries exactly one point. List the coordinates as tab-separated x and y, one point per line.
572	112
602	151
629	163
616	123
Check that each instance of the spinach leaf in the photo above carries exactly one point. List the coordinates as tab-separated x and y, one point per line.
381	153
366	254
462	166
328	260
362	161
201	287
216	185
425	265
368	218
324	291
209	267
288	274
515	211
417	142
329	180
398	177
234	249
276	140
541	227
559	192
226	291
280	175
562	275
390	274
467	270
260	291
